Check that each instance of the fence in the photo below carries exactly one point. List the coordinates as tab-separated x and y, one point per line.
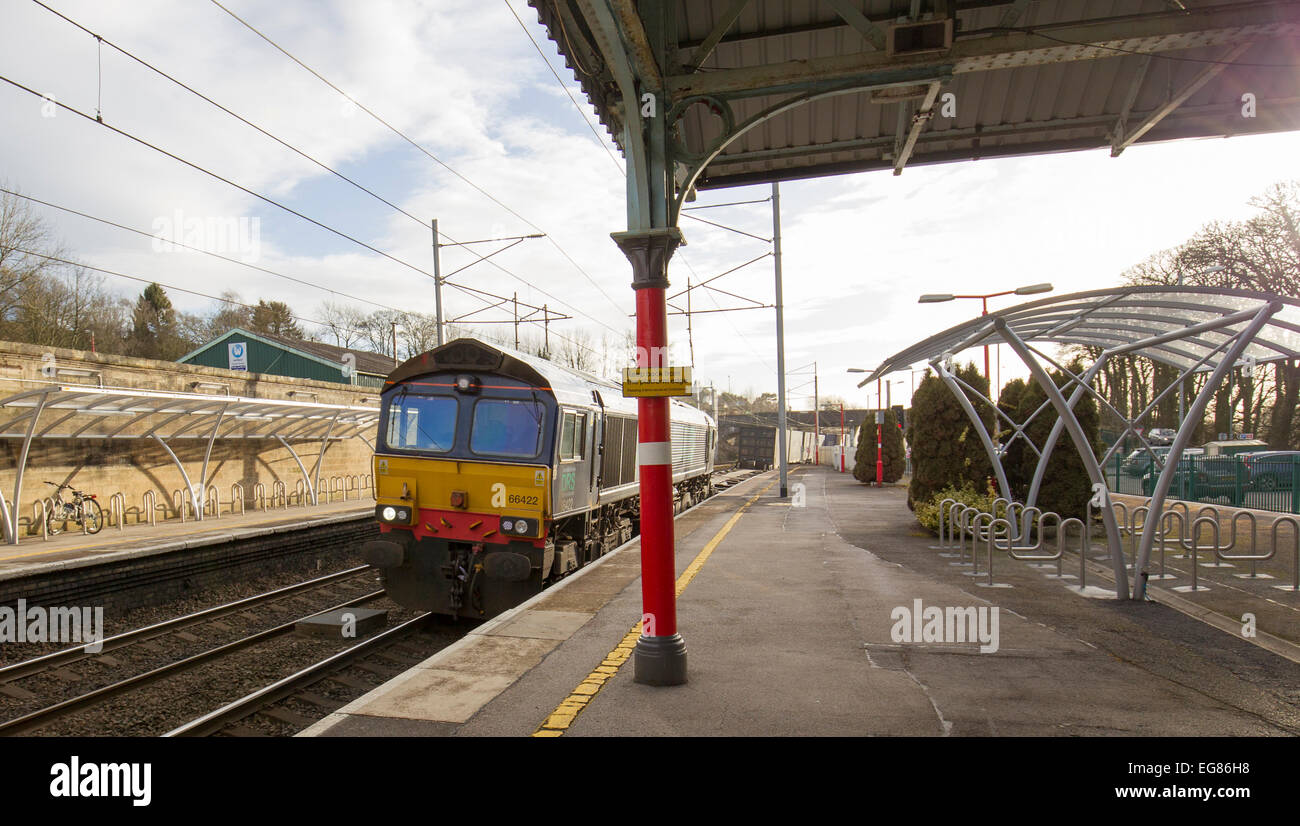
1243	481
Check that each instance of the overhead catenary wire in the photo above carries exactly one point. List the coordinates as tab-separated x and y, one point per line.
98	118
576	105
431	156
247	264
729	229
263	197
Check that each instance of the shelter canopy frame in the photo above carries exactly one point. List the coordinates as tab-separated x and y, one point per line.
70	411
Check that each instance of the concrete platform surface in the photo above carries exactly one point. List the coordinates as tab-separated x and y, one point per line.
795	625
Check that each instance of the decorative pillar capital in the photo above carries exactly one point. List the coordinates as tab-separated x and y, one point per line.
649	252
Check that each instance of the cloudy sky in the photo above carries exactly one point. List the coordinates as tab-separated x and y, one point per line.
463	81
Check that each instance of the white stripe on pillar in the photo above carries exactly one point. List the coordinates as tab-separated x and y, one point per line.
654	453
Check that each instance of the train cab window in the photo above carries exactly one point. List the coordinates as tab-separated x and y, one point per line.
421	423
573	436
507	427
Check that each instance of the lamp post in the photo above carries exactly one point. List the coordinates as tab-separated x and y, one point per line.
1031	289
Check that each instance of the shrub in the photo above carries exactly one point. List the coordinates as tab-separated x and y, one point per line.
946	451
895	460
927	512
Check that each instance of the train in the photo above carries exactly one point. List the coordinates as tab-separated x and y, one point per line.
498	473
757	447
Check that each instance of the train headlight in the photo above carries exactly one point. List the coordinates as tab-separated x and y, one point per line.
393	514
519	526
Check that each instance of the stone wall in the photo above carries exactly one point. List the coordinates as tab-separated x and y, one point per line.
132	466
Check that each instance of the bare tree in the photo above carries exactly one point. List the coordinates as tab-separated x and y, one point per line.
21	234
342	324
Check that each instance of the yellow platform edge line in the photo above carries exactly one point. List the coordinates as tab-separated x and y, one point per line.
559	720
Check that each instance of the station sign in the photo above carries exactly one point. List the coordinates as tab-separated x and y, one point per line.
237	355
651	382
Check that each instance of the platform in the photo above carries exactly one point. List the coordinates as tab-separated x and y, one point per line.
73	549
789	616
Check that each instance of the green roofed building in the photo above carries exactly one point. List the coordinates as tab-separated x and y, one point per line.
242	350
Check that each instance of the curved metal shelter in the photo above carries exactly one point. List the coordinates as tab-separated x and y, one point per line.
1122	317
1193	329
70	411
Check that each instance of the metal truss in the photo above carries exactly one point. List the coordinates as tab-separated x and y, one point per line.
80	412
1195	330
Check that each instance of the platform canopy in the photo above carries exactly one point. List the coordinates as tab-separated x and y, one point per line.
1180	326
767	90
73	411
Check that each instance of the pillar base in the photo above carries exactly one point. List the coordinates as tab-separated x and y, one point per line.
660	660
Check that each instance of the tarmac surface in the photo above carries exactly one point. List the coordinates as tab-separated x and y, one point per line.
793	622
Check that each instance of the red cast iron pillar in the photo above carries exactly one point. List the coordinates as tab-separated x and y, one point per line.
660	657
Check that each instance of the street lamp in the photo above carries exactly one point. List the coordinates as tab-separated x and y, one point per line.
1031	289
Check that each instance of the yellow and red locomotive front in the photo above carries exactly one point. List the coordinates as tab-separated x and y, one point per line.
462	472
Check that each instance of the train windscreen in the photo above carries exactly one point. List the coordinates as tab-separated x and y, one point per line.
507	427
418	422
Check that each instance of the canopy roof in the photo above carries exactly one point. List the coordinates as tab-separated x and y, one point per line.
70	411
766	90
1127	317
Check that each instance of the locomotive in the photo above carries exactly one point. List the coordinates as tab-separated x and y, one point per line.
497	473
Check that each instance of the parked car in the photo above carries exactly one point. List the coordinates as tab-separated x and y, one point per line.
1272	469
1161	435
1138	462
1198	477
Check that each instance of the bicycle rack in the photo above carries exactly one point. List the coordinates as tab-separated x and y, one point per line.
1085	546
1221	555
213	501
237	495
964	514
1295	534
259	496
992	536
1008	509
981	527
279	492
178	501
1166	520
44	516
117	506
1026	553
149	503
943	536
1213	522
300	492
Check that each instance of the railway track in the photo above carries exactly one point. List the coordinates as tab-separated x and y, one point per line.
291	705
58	659
44	716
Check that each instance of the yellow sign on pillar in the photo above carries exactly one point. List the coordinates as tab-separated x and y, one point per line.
643	382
